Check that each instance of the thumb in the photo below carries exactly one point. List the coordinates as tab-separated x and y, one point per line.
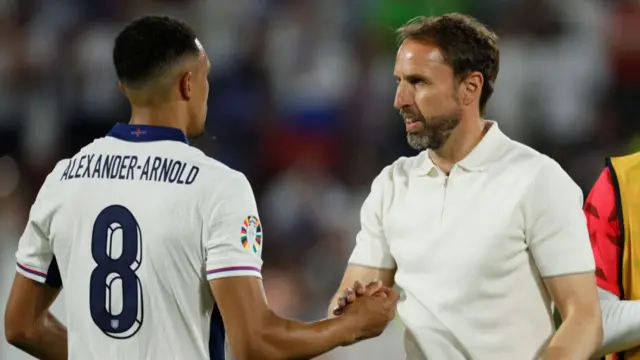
373	287
392	298
384	290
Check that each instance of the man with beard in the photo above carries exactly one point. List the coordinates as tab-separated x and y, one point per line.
481	232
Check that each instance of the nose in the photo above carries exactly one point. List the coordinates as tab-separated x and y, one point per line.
404	96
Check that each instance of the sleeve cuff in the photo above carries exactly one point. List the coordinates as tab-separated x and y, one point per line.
370	259
32	273
230	271
552	271
371	265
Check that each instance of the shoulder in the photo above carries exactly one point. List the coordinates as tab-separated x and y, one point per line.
218	180
517	153
53	178
535	166
402	168
218	172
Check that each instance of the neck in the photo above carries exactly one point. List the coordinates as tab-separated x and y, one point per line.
167	116
463	139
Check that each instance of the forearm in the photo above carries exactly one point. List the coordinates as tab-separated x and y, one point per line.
46	341
290	339
577	338
620	322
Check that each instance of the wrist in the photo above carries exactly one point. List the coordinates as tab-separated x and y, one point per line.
347	329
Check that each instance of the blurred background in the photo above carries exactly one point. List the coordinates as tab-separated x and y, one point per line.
301	102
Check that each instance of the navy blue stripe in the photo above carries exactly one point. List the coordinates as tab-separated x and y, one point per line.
145	133
216	336
53	278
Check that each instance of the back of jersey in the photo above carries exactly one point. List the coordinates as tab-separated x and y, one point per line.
135	228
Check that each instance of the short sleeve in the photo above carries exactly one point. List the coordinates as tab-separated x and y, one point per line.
233	237
604	232
372	248
555	226
35	258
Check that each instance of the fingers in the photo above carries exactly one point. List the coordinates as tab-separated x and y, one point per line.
359	288
351	295
391	299
373	287
347	297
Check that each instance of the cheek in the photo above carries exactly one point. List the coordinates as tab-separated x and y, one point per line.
434	101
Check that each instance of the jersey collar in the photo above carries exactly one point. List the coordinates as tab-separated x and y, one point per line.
487	150
482	155
146	133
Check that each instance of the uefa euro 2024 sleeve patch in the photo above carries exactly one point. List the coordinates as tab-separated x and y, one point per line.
251	234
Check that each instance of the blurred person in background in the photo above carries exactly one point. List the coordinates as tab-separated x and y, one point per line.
172	276
480	232
613	218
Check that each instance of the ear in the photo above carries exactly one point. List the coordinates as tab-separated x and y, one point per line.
472	87
121	87
185	85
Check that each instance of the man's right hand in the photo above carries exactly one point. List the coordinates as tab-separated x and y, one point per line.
371	314
358	289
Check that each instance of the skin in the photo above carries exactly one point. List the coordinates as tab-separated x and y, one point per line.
442	114
178	99
28	323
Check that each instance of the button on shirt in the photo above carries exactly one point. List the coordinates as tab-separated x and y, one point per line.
471	248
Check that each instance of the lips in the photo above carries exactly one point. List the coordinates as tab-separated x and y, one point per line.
412	125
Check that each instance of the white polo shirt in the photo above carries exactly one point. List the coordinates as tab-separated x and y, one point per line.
471	248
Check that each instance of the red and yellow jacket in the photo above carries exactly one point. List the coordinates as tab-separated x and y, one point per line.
613	218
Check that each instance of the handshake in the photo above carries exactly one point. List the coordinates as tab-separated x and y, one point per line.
369	308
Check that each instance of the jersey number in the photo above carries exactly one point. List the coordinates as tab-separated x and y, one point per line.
115	292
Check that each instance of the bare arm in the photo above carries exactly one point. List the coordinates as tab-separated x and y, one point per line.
580	334
256	333
29	325
233	267
363	274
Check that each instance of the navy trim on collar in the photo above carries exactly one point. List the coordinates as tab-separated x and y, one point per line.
145	133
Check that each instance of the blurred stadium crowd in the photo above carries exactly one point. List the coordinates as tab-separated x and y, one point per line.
301	102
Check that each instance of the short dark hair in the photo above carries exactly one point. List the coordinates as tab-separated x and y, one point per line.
149	45
466	44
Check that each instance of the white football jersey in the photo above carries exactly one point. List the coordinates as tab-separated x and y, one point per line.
133	227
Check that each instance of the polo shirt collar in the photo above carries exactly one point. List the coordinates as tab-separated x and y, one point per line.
477	160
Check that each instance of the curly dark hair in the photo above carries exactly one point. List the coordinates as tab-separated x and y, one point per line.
466	44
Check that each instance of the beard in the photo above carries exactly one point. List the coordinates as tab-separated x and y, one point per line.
435	129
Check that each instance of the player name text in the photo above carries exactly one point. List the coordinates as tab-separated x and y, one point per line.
130	167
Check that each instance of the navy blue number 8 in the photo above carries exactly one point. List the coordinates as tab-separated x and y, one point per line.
120	322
